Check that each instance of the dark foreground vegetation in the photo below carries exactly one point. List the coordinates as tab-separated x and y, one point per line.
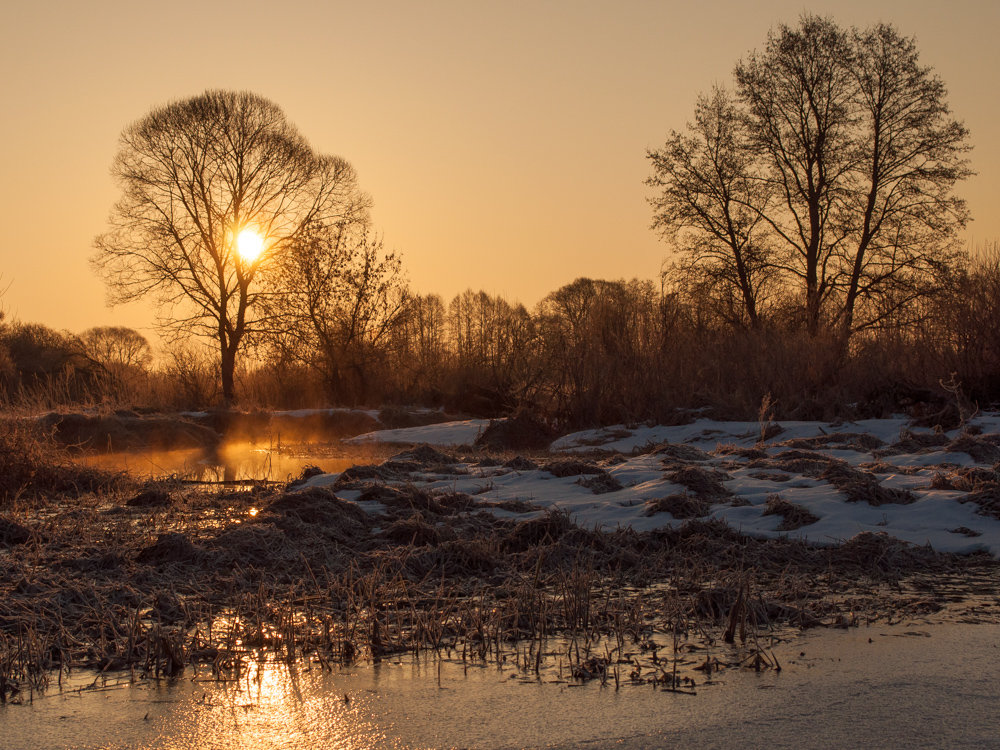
103	573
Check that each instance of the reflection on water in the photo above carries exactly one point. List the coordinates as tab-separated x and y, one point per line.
228	463
909	686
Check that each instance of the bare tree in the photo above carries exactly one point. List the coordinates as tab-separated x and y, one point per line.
195	175
117	348
832	175
798	94
711	205
900	213
345	293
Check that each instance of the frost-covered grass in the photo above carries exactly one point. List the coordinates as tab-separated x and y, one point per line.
881	476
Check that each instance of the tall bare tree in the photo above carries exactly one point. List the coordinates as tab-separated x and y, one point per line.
797	95
194	175
900	213
837	179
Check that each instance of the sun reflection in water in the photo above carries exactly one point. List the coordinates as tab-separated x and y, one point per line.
276	707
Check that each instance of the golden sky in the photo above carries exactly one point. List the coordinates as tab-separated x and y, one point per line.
503	143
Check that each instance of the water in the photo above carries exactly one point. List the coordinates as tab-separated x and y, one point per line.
231	462
911	686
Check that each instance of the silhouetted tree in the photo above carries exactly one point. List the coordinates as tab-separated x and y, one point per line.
834	170
36	355
117	348
711	205
345	293
195	174
493	342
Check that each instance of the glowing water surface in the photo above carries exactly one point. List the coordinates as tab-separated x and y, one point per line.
231	462
911	686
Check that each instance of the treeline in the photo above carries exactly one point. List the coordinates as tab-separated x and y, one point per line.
591	352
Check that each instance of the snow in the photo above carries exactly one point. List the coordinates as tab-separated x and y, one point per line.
442	434
934	518
707	434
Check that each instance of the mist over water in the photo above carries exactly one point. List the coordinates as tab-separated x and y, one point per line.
233	461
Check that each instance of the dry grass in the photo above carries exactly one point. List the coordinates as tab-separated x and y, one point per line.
193	576
680	506
792	516
862	486
705	484
33	469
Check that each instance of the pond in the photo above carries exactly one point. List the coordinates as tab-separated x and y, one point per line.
913	685
234	461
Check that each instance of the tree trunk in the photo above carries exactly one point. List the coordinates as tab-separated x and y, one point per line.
228	365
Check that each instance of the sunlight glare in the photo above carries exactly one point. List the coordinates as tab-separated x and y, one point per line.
249	244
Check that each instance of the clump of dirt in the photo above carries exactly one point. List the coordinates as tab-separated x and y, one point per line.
861	486
414	531
571	468
988	500
792	516
11	533
705	484
321	506
151	497
601	484
769	476
751	454
681	452
424	455
680	506
171	547
982	451
517	433
520	463
545	529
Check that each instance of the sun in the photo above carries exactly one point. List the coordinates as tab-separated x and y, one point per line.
249	244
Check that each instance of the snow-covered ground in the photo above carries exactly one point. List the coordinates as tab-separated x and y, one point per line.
442	434
942	481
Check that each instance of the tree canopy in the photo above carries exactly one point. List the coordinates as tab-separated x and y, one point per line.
194	175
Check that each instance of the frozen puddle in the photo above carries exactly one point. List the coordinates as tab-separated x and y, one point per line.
914	685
